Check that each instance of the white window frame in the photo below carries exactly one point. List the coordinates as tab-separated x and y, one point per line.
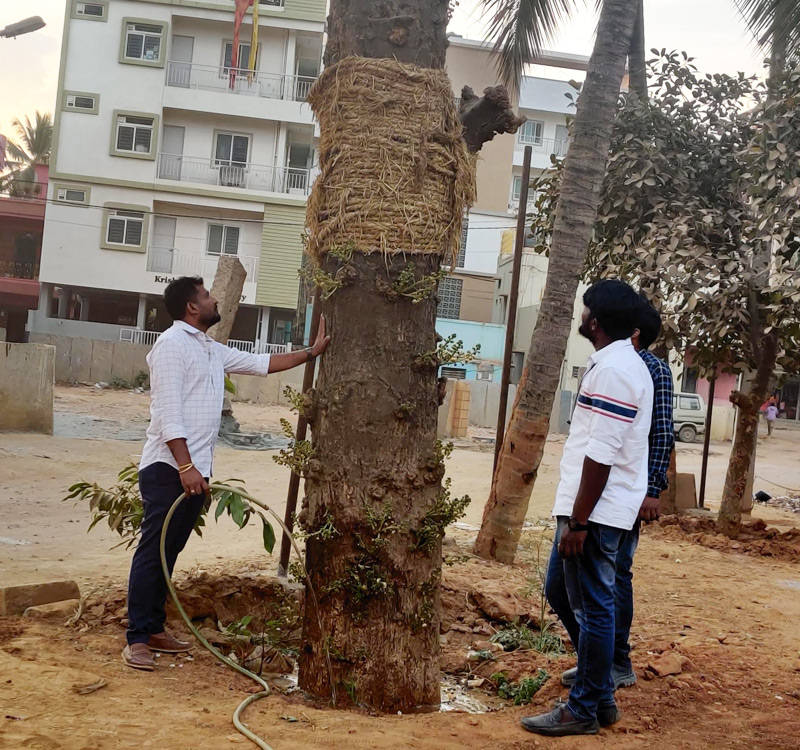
217	161
145	27
71	98
121	121
224	69
62	194
531	140
78	14
516	188
226	229
128	219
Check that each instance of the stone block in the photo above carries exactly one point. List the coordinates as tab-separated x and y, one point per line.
27	376
14	600
227	290
54	611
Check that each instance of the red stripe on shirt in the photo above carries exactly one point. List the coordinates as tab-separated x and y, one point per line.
605	413
614	400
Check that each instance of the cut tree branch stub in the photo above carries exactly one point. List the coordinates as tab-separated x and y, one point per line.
485	116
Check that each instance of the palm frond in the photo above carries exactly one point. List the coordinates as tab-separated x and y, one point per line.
519	29
764	17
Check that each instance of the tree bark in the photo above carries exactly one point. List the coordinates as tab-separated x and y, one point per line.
584	171
637	68
745	439
741	465
375	508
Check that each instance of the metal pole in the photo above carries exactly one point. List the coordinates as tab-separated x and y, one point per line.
511	322
712	385
300	434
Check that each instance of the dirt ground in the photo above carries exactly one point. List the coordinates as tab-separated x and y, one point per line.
729	619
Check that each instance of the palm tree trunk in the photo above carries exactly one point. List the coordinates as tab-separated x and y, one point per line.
374	507
584	171
637	68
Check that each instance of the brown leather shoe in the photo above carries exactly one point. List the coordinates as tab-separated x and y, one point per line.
168	644
138	656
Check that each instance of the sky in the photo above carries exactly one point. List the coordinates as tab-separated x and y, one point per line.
709	30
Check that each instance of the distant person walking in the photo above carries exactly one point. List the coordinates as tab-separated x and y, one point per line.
771	414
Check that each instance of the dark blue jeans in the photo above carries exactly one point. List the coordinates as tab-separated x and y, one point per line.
581	591
160	485
623	600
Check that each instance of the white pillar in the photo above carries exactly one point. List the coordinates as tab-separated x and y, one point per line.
63	301
84	307
291	53
263	325
141	312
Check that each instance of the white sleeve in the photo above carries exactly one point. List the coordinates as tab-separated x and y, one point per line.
167	371
614	405
244	363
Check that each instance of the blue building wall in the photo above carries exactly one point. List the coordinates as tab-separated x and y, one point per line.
490	336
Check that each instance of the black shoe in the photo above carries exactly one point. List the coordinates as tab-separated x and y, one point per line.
559	723
621	679
606	715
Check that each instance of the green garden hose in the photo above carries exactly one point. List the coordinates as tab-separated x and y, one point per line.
237	721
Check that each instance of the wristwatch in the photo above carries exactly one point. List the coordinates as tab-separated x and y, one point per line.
310	355
574	525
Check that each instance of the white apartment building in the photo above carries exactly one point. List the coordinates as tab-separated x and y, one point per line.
165	158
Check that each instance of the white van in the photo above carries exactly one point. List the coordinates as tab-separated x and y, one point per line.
688	416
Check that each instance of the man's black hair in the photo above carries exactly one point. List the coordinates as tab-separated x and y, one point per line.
615	306
649	324
180	293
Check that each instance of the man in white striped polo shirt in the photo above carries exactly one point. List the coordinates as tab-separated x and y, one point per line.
603	482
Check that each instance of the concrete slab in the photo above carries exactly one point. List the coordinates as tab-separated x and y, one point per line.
27	376
14	600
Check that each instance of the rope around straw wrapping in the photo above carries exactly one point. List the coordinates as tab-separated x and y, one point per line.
396	175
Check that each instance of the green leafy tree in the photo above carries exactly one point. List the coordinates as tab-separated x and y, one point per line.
34	141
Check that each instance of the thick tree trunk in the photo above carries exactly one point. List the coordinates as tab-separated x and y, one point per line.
584	170
384	213
745	439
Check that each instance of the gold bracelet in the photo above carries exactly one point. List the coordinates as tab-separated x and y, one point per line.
185	468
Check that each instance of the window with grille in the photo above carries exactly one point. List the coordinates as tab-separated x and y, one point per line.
71	195
223	239
143	41
462	250
134	134
81	102
531	132
90	11
449	298
516	189
125	228
456	373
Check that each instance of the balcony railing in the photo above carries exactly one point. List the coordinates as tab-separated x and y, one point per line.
184	263
556	146
239	81
16	270
148	338
247	176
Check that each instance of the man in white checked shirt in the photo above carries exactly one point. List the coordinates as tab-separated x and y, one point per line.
187	387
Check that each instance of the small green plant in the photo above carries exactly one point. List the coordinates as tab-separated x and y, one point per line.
362	580
141	379
295	398
450	350
325	282
545	641
515	636
343	253
297	455
121	506
522	692
445	510
417	289
120	383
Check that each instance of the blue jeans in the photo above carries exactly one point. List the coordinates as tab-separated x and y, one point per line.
623	600
581	591
160	486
